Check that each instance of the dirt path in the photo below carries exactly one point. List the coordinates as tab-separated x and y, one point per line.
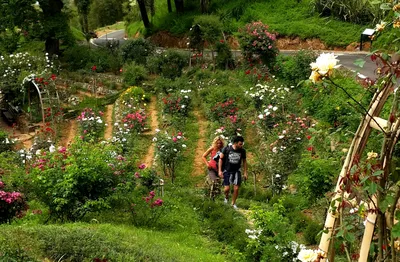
109	122
198	166
149	158
71	129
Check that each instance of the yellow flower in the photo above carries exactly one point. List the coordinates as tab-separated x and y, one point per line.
396	23
380	27
315	77
371	155
396	7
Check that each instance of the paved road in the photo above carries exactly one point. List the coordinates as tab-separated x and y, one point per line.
346	58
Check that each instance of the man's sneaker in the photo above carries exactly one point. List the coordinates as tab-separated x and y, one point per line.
234	206
225	201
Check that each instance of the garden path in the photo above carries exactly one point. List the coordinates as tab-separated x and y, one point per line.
108	121
149	158
198	166
70	132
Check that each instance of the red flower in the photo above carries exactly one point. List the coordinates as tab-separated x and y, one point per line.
221	41
53	77
310	148
94	68
308	137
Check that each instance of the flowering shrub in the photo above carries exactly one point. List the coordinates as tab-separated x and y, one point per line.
91	125
177	104
79	180
12	205
268	94
224	109
147	210
169	149
258	43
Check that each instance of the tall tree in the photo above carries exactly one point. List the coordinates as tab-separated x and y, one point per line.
16	18
143	13
179	6
83	11
54	23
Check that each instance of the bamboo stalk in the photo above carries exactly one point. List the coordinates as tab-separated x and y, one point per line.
356	148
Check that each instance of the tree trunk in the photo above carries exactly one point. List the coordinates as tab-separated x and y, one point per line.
143	13
179	6
204	6
52	8
169	6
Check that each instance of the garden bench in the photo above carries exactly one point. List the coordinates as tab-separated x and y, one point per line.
366	34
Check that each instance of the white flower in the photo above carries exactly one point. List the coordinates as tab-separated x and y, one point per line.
183	106
280	137
274	150
325	63
183	145
307	255
275	108
157	130
175	150
260	116
154	139
52	148
99	121
277	176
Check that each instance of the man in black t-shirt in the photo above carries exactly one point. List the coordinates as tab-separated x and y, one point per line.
230	161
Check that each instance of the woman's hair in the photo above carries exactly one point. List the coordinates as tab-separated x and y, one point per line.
216	139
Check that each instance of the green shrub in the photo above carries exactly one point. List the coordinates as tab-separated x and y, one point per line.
6	143
79	180
314	177
172	64
206	29
295	68
224	59
133	74
153	64
136	51
311	232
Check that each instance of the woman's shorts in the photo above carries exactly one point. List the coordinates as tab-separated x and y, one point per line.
234	178
212	174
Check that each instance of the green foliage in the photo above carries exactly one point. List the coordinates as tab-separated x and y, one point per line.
105	12
172	63
361	12
79	180
91	125
224	59
83	57
137	51
206	29
275	230
133	73
295	68
314	177
6	143
311	232
146	210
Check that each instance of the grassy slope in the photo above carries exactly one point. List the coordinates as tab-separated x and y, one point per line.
286	17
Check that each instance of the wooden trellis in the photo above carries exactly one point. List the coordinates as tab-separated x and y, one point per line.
391	130
47	99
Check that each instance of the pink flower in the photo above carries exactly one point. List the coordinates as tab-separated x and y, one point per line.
174	139
142	166
152	193
1	184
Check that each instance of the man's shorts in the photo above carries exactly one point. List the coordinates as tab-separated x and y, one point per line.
232	178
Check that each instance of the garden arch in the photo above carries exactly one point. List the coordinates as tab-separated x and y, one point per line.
391	130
